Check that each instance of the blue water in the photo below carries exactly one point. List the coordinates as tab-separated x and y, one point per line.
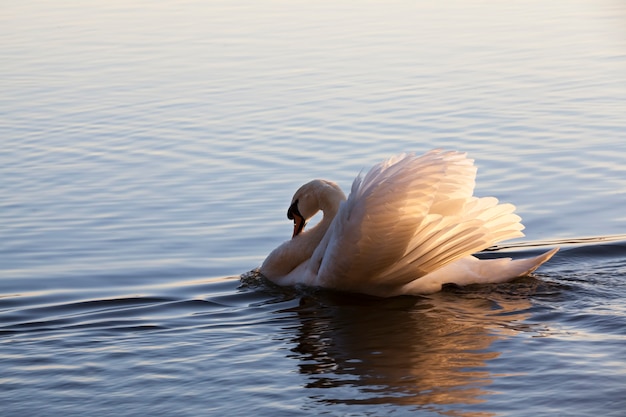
149	154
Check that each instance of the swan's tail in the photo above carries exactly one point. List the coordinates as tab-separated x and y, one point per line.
471	270
523	267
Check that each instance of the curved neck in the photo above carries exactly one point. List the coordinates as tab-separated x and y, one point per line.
292	253
329	204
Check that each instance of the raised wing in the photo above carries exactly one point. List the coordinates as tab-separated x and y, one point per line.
408	216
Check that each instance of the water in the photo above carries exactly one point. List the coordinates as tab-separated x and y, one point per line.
150	151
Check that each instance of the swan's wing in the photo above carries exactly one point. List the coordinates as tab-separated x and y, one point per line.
409	216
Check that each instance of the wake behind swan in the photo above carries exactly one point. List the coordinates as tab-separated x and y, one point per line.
409	226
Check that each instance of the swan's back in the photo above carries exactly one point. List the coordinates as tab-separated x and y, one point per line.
407	217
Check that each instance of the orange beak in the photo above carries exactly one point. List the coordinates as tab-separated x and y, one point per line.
298	225
298	220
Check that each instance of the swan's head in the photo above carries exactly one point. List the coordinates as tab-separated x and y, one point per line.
309	199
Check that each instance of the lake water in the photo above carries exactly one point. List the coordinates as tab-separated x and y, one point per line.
149	153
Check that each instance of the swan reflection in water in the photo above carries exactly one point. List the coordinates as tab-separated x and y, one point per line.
427	352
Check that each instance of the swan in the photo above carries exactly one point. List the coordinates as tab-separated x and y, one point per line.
409	226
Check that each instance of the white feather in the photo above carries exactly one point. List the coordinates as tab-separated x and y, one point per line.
409	226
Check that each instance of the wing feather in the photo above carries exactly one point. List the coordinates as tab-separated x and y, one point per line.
408	216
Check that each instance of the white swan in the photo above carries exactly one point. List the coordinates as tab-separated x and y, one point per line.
408	227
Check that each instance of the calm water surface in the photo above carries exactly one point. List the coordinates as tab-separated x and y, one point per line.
150	151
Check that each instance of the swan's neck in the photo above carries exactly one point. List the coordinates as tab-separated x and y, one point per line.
287	257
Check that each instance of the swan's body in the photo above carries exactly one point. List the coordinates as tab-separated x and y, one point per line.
408	227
